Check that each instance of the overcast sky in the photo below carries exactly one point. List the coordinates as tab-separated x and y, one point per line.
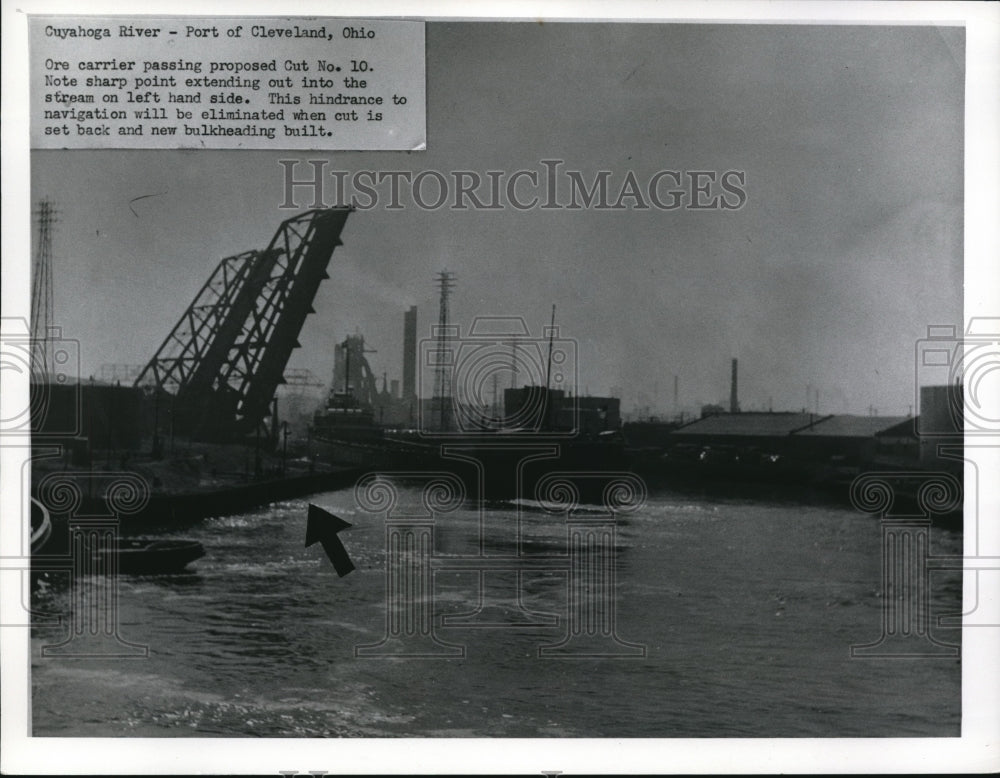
848	246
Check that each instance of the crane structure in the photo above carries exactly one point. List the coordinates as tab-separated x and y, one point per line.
226	356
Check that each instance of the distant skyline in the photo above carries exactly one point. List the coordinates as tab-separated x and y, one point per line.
848	246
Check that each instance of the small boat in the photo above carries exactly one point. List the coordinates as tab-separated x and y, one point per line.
41	526
144	556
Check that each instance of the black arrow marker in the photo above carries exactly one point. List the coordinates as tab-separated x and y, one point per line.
323	526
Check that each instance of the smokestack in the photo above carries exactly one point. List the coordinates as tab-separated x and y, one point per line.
410	353
734	402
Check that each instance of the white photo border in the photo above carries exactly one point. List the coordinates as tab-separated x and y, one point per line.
977	750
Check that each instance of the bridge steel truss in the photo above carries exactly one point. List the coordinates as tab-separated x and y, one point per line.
230	347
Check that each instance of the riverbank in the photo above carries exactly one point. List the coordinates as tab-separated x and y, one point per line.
178	491
812	485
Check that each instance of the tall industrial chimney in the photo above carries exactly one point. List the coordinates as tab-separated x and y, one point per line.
734	397
410	353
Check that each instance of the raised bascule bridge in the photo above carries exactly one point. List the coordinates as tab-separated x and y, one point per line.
224	359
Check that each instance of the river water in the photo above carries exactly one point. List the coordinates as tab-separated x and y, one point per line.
745	612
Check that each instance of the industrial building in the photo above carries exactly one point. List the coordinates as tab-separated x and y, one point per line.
841	439
853	440
941	426
538	408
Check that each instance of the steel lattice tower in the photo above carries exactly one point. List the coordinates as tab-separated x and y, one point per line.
442	373
41	292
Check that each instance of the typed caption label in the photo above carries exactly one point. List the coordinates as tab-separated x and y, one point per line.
226	83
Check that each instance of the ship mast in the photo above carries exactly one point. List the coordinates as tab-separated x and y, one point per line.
552	333
548	369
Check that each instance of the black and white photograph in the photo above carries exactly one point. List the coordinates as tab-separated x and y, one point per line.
539	383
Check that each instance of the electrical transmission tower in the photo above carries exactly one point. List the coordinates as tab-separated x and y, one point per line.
442	373
41	293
